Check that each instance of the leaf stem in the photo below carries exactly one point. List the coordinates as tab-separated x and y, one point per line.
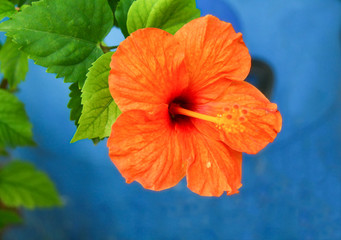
106	49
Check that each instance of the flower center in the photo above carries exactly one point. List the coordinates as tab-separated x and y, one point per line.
231	119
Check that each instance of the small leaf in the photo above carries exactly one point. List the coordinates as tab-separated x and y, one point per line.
21	185
15	128
7	9
99	109
121	15
76	106
8	217
75	103
13	63
62	35
169	15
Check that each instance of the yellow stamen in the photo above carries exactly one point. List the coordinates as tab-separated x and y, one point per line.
176	109
230	120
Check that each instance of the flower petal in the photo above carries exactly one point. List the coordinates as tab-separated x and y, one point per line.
213	51
146	149
213	167
146	70
249	121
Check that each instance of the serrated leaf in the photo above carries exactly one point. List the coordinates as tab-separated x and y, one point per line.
13	63
99	109
15	128
21	185
75	103
7	9
121	15
169	15
8	217
75	106
62	35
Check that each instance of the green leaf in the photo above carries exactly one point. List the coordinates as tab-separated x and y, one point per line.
169	15
76	106
113	5
75	103
7	9
121	15
8	217
99	109
13	63
62	35
15	128
21	185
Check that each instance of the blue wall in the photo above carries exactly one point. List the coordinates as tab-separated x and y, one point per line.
292	189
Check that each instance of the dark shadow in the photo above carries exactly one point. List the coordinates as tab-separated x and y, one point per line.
261	76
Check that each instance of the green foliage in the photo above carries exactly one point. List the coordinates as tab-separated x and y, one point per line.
21	185
21	2
3	152
75	103
7	9
169	15
62	35
99	109
65	36
15	128
121	15
8	217
113	5
13	63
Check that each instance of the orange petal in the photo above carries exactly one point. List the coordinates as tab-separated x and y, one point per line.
249	121
146	149
214	168
214	51
146	70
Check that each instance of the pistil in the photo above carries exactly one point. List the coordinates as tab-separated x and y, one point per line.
230	120
176	109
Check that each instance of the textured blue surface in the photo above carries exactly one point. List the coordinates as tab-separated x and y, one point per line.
292	189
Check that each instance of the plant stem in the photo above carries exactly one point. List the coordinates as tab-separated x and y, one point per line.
106	49
4	84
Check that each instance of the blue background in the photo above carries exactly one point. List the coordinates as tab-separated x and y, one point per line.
291	190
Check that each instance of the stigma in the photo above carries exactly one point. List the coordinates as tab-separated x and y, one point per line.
232	119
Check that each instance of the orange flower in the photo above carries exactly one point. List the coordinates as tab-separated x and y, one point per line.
185	108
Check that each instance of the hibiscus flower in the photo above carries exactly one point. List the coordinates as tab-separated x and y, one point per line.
186	110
